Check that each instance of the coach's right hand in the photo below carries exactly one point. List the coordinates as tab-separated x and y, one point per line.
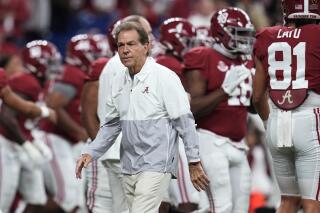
198	177
83	161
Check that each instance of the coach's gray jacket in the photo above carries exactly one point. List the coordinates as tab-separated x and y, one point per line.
151	110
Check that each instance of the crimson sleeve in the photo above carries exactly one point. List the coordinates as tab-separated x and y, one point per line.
197	59
96	68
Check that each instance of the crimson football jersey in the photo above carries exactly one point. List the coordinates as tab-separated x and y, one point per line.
96	68
173	64
29	87
229	118
291	60
25	84
75	77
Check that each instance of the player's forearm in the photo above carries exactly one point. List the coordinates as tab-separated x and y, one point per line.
261	105
91	124
260	95
11	125
20	105
68	125
30	109
202	106
89	105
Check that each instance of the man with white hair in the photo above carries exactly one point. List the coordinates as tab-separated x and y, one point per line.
141	106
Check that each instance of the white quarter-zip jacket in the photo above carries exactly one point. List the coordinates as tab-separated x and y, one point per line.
151	109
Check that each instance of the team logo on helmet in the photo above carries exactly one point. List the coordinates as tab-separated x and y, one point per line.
222	18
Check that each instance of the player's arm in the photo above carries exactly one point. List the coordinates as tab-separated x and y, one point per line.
260	96
89	104
9	122
28	108
57	100
202	103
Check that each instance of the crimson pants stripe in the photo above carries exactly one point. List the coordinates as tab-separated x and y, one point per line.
1	172
56	173
210	198
317	113
182	184
92	190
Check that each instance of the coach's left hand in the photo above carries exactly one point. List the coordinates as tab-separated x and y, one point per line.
199	179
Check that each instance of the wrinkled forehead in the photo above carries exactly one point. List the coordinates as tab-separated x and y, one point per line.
126	36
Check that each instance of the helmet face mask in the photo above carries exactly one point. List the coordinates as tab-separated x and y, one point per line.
204	37
242	40
188	43
232	28
54	67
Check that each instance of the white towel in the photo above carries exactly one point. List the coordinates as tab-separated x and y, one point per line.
284	128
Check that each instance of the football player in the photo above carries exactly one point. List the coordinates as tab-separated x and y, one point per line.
64	96
287	61
220	84
42	59
28	84
9	154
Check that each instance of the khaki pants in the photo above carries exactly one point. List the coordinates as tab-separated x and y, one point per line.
145	190
119	202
